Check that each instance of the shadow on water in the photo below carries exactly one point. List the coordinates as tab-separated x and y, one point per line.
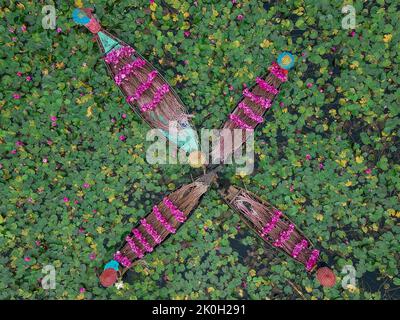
373	282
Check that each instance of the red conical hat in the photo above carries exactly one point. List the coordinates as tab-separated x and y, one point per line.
326	277
108	277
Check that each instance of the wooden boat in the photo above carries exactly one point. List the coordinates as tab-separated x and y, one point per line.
250	111
272	226
146	91
156	227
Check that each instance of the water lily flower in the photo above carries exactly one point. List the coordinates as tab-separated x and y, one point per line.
27	259
186	34
308	156
321	166
19	73
387	38
123	116
119	285
16	96
23	28
28	78
92	256
66	199
59	30
19	143
240	17
13	151
82	290
122	137
309	85
44	160
368	171
53	118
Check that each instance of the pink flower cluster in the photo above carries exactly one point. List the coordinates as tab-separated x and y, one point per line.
116	55
151	231
161	91
135	249
248	112
239	122
127	69
299	247
162	220
312	260
119	257
278	72
143	87
264	102
284	236
266	87
142	240
271	225
178	214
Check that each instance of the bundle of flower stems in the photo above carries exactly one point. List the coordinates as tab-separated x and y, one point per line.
145	90
156	227
271	225
250	111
